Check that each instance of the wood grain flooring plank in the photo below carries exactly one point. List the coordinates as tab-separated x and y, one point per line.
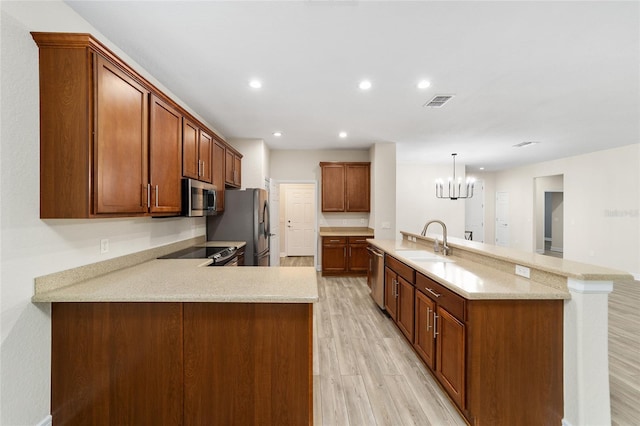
357	400
354	335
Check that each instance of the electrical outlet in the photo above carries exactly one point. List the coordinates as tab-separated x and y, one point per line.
386	225
104	245
523	271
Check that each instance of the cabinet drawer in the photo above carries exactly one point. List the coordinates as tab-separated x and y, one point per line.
358	240
333	240
446	298
401	269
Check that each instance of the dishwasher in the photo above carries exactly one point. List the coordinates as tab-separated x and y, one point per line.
375	276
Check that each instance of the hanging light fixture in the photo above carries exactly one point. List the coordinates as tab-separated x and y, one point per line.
455	193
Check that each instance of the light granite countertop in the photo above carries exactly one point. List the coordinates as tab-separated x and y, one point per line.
472	280
345	232
190	280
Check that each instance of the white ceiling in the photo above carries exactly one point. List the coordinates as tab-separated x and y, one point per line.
566	74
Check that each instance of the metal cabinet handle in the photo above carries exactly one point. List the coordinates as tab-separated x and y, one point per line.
148	195
432	292
344	250
331	241
156	195
435	324
428	315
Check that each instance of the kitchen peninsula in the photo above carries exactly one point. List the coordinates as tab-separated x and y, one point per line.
507	349
177	342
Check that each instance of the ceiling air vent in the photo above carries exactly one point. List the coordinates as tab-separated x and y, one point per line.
438	101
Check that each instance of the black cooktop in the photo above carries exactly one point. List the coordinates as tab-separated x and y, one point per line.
215	253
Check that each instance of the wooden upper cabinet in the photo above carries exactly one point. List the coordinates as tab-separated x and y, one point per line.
218	172
111	143
358	181
333	187
165	156
121	141
233	168
346	187
204	151
190	152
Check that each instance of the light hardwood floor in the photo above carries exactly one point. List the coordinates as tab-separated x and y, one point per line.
624	353
366	374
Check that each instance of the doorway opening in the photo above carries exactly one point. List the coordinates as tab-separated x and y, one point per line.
549	214
298	220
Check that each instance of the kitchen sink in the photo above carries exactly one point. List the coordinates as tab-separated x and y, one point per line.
422	256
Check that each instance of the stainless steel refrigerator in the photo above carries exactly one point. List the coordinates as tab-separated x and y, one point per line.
245	218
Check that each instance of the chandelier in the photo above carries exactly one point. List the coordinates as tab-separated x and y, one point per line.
455	188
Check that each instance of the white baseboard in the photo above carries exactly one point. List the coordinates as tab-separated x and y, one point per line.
540	251
47	421
556	249
547	238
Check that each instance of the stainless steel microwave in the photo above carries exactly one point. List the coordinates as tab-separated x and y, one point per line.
198	198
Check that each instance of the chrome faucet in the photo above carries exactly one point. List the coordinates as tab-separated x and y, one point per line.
436	247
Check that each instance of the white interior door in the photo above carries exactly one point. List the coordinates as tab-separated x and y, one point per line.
502	219
300	219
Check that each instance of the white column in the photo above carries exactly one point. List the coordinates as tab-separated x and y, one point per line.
586	354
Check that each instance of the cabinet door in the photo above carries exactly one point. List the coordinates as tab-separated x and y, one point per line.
450	355
390	298
358	187
129	370
358	258
237	170
217	165
190	156
121	141
204	156
165	157
424	341
229	164
334	258
333	181
405	307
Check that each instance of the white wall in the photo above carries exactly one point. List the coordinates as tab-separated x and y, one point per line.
416	202
601	206
304	165
31	247
383	191
255	161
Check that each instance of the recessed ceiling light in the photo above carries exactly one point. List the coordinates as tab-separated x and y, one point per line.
481	168
342	135
365	85
256	84
423	84
277	134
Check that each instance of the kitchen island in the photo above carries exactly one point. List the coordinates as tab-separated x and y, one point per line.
508	349
177	342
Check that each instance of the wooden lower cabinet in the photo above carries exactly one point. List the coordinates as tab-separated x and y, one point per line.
116	363
345	255
500	361
399	295
182	363
450	355
424	338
